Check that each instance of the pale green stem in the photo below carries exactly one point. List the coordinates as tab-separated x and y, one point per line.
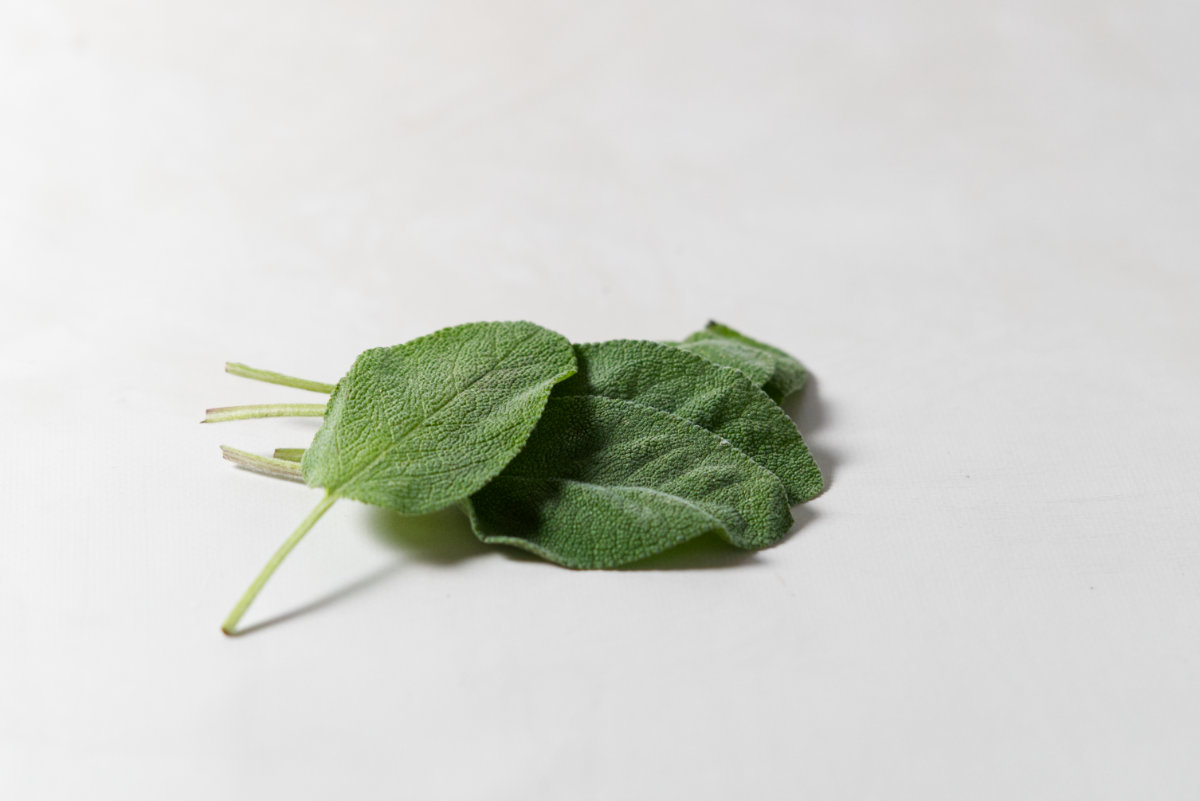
248	598
245	371
289	454
226	413
279	468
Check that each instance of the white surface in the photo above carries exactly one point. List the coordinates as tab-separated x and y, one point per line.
976	224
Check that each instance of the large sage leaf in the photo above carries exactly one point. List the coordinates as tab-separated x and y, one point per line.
420	426
721	399
603	482
778	373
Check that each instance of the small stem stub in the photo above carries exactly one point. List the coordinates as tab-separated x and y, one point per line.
235	617
289	454
277	467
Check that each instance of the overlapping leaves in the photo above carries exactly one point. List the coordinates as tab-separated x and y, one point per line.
778	373
591	456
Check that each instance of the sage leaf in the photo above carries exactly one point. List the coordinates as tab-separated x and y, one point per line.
721	399
419	426
603	482
778	373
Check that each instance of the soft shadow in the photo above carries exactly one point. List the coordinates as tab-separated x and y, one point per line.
351	589
441	538
811	417
703	553
445	537
710	552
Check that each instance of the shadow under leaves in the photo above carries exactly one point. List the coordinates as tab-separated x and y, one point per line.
445	537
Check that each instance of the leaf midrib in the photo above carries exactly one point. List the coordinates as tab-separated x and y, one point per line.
610	487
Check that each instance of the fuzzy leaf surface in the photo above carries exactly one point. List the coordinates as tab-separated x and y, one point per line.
721	399
778	373
419	426
604	482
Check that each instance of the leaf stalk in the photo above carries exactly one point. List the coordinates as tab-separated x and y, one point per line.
225	414
269	377
229	627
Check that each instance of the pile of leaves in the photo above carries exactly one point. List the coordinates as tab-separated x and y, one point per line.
590	456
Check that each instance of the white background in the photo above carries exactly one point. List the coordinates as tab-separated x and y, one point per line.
976	223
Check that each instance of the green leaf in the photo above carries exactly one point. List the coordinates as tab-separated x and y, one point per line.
420	426
604	482
721	399
778	373
650	446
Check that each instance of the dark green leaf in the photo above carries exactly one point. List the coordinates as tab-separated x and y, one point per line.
604	482
778	373
721	399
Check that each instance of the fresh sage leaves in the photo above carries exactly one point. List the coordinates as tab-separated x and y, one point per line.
590	456
721	399
605	482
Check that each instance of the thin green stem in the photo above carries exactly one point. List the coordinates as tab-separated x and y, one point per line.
277	467
224	414
235	616
245	371
289	454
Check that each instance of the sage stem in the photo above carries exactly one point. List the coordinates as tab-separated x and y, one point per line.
245	371
277	467
224	414
268	570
